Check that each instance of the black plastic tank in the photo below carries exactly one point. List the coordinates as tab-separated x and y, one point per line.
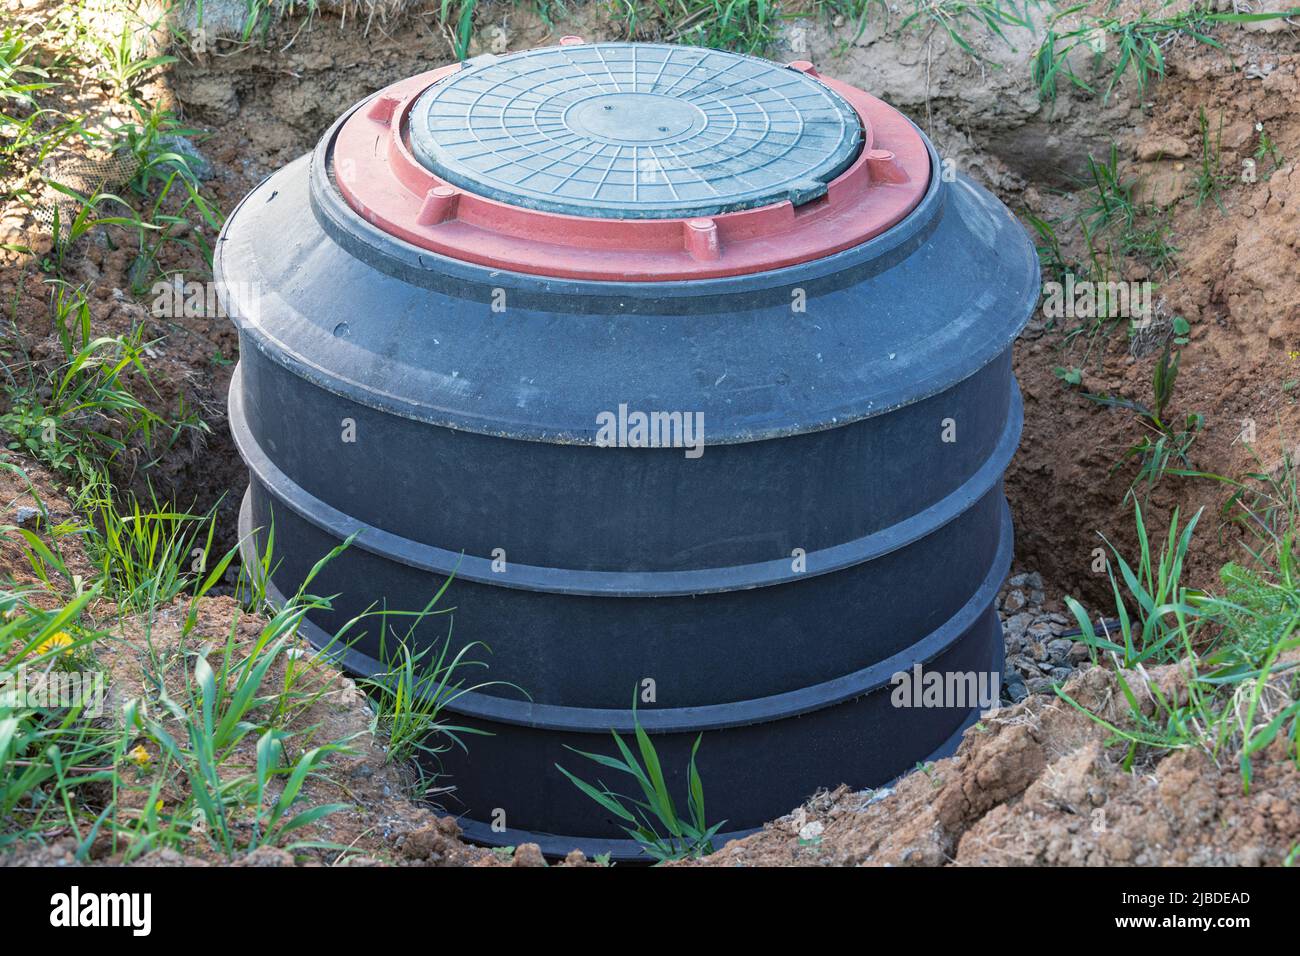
692	370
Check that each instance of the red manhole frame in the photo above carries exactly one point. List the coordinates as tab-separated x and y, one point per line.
382	180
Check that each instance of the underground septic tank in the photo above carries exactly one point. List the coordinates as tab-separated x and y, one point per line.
692	369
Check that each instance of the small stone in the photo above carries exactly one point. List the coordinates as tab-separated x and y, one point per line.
265	856
1014	601
1079	652
1059	649
1024	666
25	516
1163	183
1016	624
1061	673
1015	689
1037	597
1116	846
1162	147
423	844
12	230
1039	685
1017	580
1238	134
528	854
1040	631
812	830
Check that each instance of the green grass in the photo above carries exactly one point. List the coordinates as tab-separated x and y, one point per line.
217	751
85	413
1132	228
1240	692
222	706
167	188
1210	175
1267	150
410	697
1155	592
52	758
91	409
1113	206
64	773
1150	240
1262	505
1131	47
146	556
117	59
956	18
20	76
652	820
39	66
1051	253
753	26
1166	446
1118	231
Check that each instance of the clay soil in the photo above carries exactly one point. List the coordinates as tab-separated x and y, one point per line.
1036	783
1237	283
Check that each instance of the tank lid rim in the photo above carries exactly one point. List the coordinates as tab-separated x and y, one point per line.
373	164
634	130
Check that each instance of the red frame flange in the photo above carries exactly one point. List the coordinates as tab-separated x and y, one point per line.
382	180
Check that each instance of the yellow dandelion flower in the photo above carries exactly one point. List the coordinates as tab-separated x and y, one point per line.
138	756
54	642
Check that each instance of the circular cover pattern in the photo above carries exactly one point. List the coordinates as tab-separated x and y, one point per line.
634	130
